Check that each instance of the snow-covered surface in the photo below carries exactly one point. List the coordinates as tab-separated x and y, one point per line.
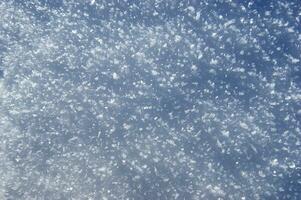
173	99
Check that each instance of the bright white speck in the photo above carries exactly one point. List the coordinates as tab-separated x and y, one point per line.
115	76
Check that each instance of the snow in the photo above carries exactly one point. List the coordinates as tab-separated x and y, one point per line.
115	76
150	99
